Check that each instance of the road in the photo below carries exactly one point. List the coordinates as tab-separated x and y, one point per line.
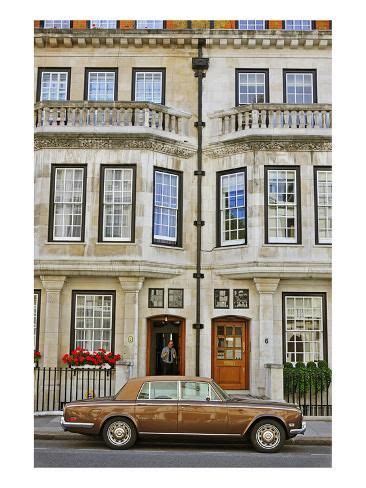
93	453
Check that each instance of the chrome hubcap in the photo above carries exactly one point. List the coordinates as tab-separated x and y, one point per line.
119	433
268	436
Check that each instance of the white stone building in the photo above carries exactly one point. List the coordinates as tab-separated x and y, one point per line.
118	181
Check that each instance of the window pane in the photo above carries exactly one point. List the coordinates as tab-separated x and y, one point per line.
192	390
299	88
324	205
117	204
251	24
165	206
148	86
149	24
54	85
252	87
163	390
101	85
103	24
233	208
56	24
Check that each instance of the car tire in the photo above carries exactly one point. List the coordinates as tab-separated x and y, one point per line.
267	435
119	433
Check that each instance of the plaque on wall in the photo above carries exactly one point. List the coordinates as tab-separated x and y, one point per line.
156	298
241	298
175	298
221	298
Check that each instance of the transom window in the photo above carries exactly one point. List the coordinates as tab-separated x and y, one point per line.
252	86
299	87
103	24
232	208
251	24
304	328
117	203
149	24
56	24
67	206
166	201
159	390
101	85
323	203
54	85
282	205
93	321
148	86
298	24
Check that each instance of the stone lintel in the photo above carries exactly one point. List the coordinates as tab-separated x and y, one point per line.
53	283
131	284
266	285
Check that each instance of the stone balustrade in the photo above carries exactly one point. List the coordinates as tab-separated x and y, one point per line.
113	115
269	117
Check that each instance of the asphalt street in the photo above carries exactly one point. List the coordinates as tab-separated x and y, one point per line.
93	453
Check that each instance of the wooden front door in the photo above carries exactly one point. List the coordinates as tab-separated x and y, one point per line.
230	353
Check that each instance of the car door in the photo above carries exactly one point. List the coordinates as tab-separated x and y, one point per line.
156	407
200	409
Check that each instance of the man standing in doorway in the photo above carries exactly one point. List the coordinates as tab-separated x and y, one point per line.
169	358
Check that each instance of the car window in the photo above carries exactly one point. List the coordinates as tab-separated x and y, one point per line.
163	390
144	392
195	390
214	395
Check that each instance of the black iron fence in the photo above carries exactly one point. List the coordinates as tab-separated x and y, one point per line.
53	387
313	394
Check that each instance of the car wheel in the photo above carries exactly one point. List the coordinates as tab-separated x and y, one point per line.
267	436
119	433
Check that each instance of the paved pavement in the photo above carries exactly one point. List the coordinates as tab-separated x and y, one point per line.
318	432
93	453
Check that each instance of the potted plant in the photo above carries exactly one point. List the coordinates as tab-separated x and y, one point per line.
80	357
37	357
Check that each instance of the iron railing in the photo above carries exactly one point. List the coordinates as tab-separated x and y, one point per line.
312	394
53	387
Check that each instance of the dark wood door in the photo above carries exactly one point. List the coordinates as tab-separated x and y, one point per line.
230	353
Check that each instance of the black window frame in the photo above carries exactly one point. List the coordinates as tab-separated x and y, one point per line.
56	28
175	289
161	242
103	167
51	204
39	81
264	71
101	70
316	169
152	70
296	168
38	292
323	295
73	307
149	302
298	71
218	210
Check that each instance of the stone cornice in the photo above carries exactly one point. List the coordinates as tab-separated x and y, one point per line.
112	141
278	271
222	38
303	143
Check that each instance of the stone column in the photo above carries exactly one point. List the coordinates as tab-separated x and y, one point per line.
131	287
266	288
53	286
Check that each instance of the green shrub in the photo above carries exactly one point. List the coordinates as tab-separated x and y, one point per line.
303	378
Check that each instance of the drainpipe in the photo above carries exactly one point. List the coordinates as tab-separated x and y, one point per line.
199	65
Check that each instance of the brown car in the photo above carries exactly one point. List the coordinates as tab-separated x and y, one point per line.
185	406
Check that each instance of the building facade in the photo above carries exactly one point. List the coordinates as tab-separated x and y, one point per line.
183	191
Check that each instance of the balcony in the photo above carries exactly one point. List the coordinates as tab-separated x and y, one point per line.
111	118
270	119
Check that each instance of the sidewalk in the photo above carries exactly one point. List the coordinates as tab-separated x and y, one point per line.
318	432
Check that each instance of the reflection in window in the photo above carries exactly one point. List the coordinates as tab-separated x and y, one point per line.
232	208
54	85
103	24
299	88
163	390
252	88
166	207
149	24
101	85
324	205
56	24
251	24
298	24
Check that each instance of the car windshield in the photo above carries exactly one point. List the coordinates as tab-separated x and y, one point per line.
221	391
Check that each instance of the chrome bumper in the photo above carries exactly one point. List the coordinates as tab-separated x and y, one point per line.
79	425
298	431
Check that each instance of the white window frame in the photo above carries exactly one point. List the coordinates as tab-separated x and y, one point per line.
282	205
303	321
256	83
251	24
228	176
158	237
72	202
103	24
301	25
92	319
149	24
99	73
58	81
296	84
327	206
153	74
126	200
56	24
35	318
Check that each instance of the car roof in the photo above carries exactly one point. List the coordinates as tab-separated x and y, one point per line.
130	390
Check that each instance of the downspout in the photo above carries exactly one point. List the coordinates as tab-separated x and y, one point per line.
199	65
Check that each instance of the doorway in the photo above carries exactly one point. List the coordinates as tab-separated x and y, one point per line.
160	330
230	353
